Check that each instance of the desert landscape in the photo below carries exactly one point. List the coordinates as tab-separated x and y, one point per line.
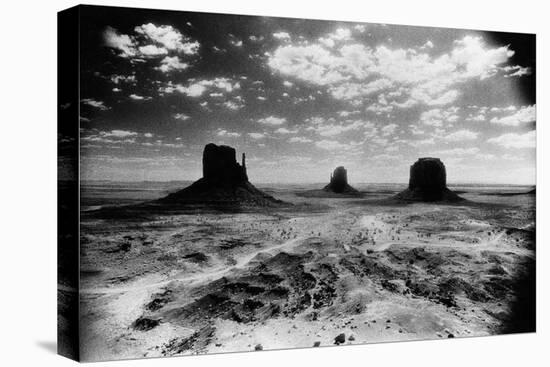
233	183
298	268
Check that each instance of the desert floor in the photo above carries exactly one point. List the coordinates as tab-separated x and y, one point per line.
176	284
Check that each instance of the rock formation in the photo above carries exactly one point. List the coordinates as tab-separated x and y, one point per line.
428	182
224	183
339	182
220	167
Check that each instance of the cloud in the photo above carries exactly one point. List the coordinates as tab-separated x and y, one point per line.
478	118
379	109
233	105
152	50
169	37
347	113
524	115
281	36
428	44
309	63
478	61
272	120
225	133
299	139
117	79
256	135
332	145
436	117
236	43
341	34
458	151
121	42
137	97
100	105
197	88
284	130
423	78
170	63
150	42
148	135
427	141
388	129
118	133
516	70
516	141
181	116
336	129
349	91
461	135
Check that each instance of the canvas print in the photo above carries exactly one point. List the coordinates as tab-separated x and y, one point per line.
235	183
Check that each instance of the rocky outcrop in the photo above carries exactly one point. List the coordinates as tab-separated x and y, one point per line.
224	184
428	182
220	167
339	182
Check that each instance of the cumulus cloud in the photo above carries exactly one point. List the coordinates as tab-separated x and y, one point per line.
299	139
458	151
477	60
150	41
169	37
118	133
428	44
461	135
256	136
332	145
137	97
516	141
340	34
117	79
152	50
361	28
284	130
181	116
100	105
516	70
121	42
197	88
524	115
427	79
436	117
225	133
310	63
234	105
388	129
272	120
349	91
281	36
333	129
236	42
170	63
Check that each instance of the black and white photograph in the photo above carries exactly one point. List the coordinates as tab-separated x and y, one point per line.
253	183
246	183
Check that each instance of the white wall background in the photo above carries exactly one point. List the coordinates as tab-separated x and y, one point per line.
28	181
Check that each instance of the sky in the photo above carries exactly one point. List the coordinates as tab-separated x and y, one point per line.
301	97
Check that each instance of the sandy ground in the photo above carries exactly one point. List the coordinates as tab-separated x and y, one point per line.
211	283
